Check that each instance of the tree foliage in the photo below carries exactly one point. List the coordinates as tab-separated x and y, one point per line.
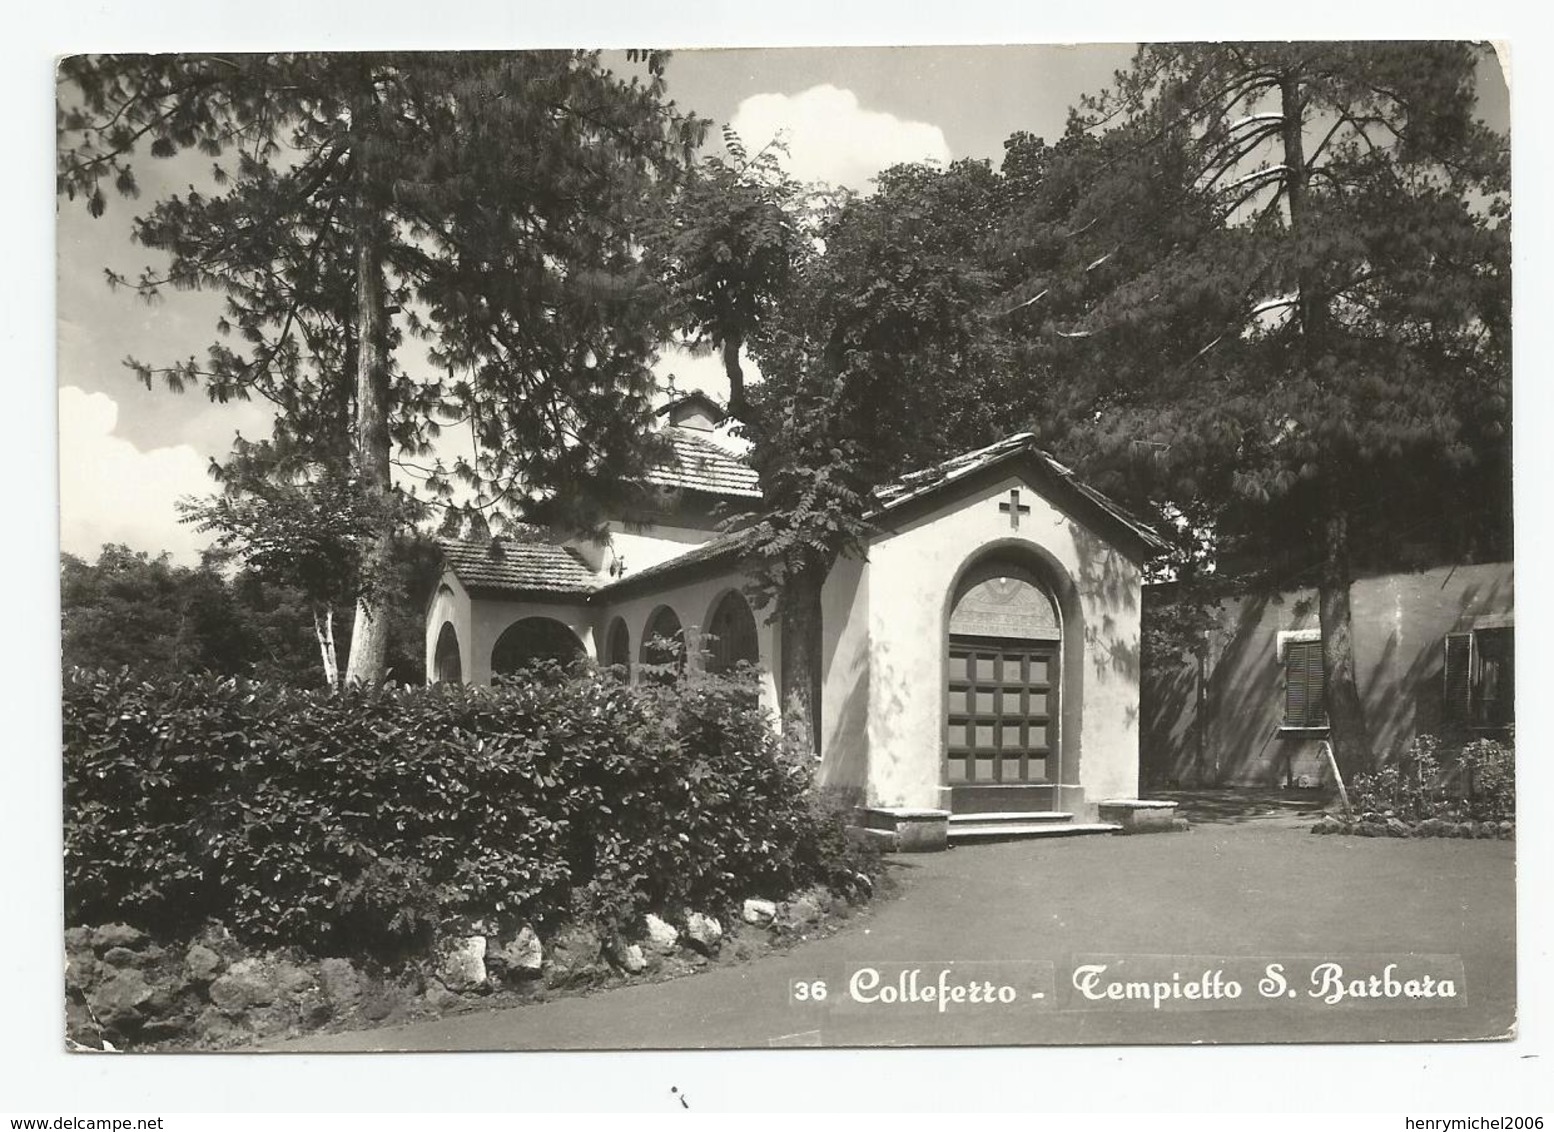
488	204
311	533
1258	290
871	362
727	249
130	610
1296	274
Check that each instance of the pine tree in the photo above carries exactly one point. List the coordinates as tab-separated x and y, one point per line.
1292	263
490	204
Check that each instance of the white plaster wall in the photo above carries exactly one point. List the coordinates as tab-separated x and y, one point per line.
490	618
646	546
480	621
692	603
451	604
844	689
911	574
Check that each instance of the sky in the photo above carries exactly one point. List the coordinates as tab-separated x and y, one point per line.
128	453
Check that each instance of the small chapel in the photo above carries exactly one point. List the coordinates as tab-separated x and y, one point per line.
980	662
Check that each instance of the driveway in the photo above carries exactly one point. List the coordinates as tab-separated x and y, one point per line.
1232	895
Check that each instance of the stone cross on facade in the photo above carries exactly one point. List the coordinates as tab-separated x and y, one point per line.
1014	509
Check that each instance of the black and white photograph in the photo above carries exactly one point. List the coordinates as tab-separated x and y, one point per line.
785	549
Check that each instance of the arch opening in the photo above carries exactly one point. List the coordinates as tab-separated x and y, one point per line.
447	667
534	640
662	654
731	634
617	647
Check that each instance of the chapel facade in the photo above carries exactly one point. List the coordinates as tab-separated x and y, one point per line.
980	662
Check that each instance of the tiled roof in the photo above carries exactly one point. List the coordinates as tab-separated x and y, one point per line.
503	564
701	465
913	484
916	484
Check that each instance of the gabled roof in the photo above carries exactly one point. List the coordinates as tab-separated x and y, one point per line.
507	565
689	403
927	482
701	465
542	567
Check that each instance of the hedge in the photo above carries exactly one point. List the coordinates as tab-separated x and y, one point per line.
373	820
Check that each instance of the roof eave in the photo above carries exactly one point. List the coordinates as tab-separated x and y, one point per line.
1136	537
527	593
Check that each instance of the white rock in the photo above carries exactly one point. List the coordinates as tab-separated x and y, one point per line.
524	951
703	931
661	934
464	964
759	911
632	959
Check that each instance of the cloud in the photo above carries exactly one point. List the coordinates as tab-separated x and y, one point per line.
831	138
111	491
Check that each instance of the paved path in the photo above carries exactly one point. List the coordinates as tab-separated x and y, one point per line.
1227	889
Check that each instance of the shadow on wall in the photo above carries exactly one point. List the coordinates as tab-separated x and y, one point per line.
1108	584
1182	744
1400	624
1168	703
888	746
846	763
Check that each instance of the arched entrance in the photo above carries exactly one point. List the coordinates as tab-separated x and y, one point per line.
1004	678
732	633
663	647
532	640
617	647
447	668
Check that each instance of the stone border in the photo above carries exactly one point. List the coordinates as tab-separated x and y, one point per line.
125	991
1377	825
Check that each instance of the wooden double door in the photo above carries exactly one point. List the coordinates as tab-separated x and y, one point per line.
1002	711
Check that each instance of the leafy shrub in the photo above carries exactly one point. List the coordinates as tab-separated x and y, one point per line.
373	819
1489	772
1478	784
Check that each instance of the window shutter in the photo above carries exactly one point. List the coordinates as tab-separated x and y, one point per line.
1304	705
1458	687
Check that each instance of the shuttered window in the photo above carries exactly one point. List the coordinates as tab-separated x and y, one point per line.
1494	677
1304	705
1479	678
1458	690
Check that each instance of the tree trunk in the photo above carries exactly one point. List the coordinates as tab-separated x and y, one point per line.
324	631
369	634
736	375
1345	713
800	620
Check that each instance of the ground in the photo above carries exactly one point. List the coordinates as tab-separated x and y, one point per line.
1248	881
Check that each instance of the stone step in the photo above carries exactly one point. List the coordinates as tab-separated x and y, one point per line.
1051	829
1005	798
1021	817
